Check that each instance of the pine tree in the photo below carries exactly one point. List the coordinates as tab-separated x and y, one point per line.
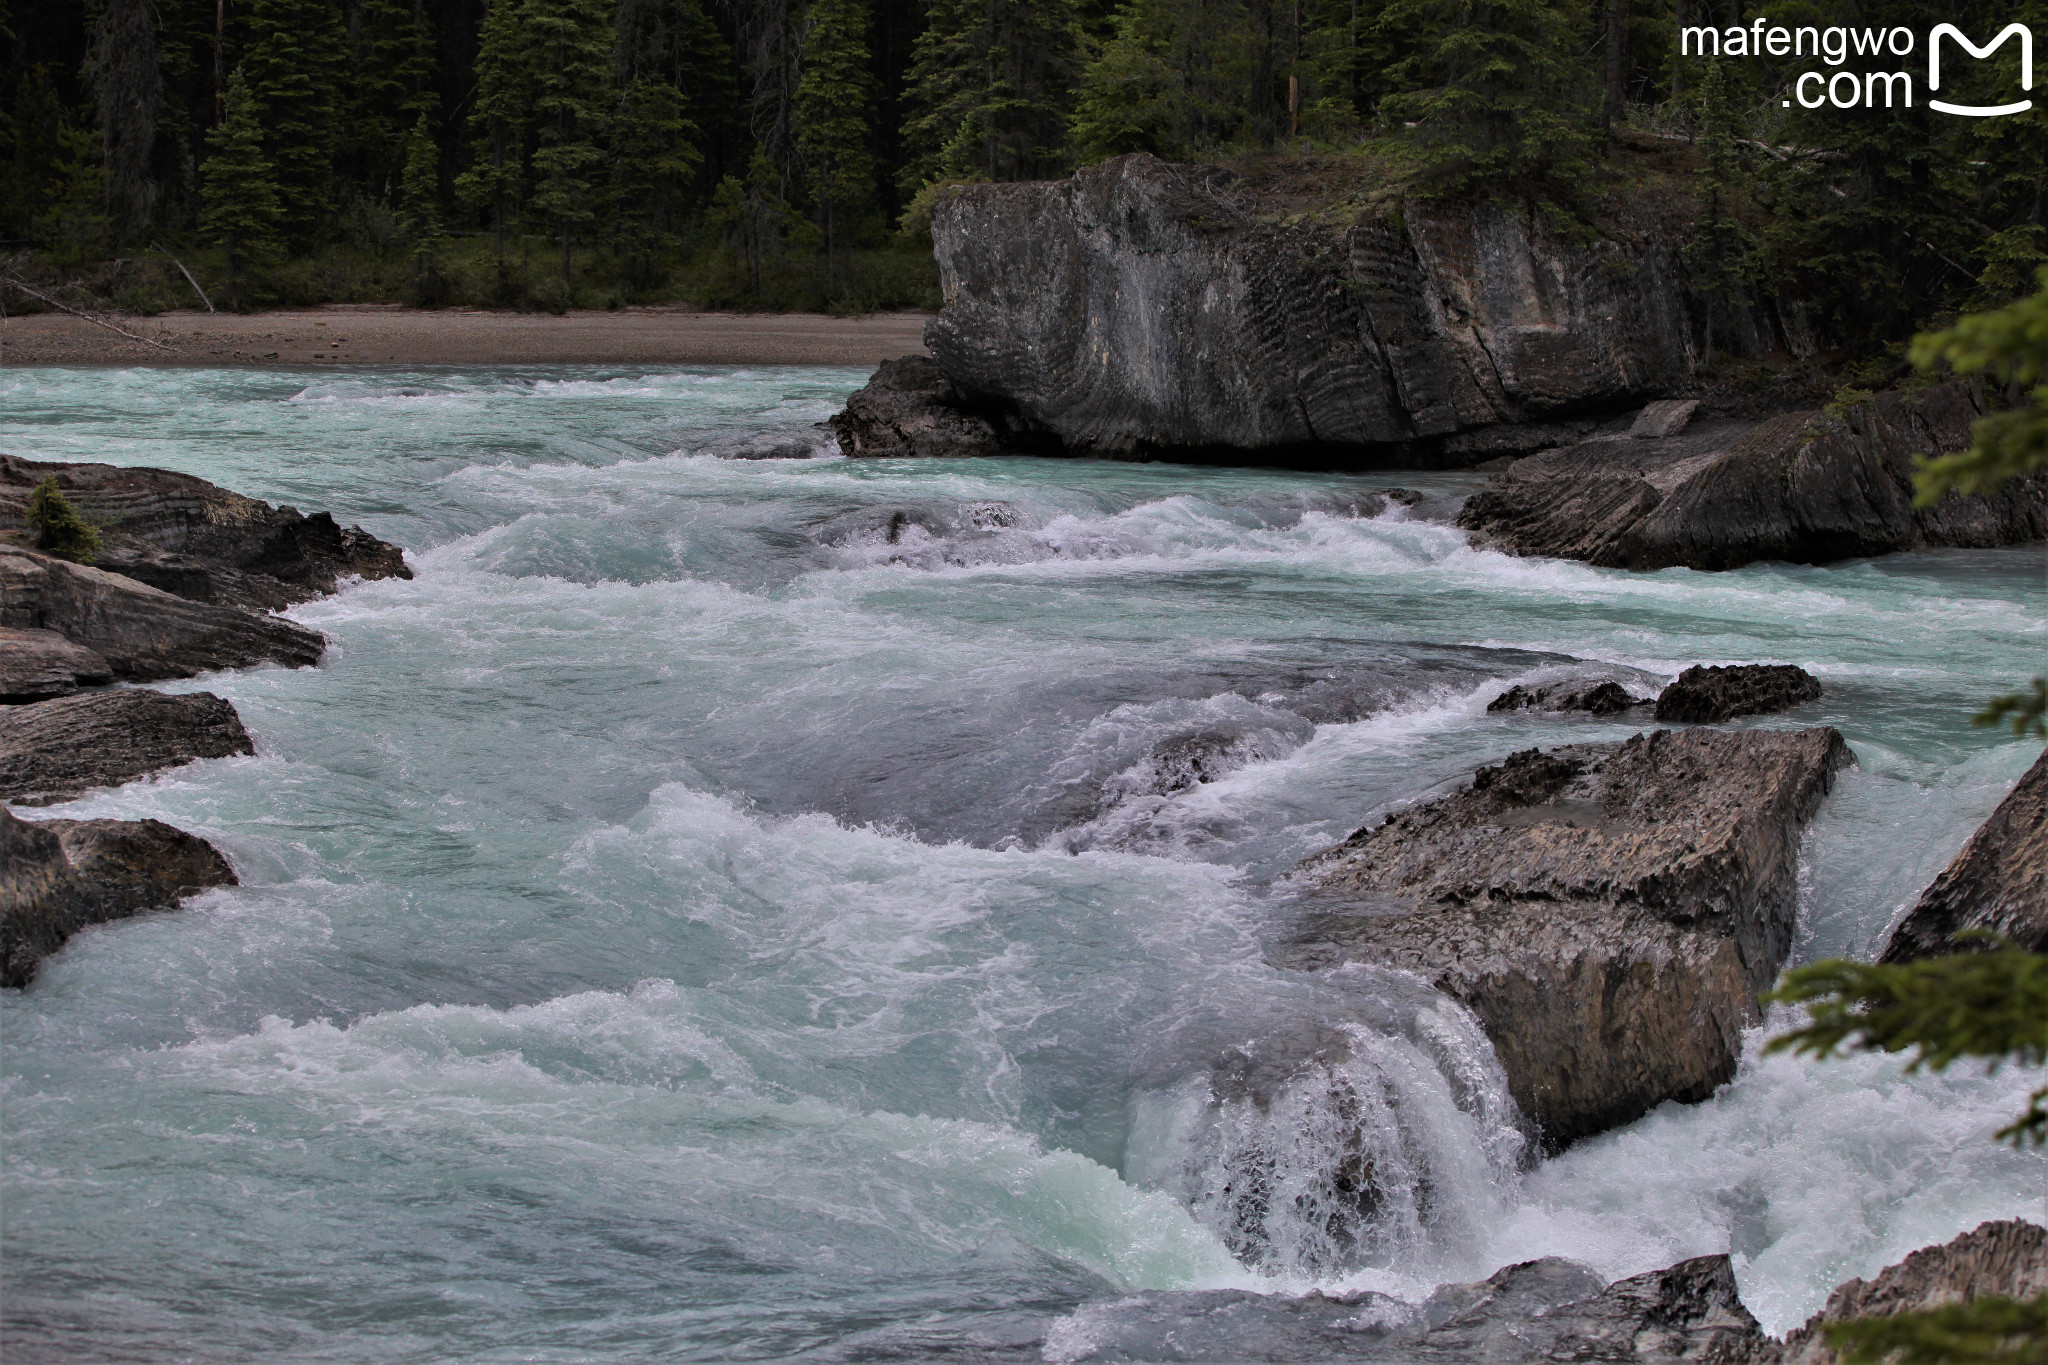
242	200
830	118
1501	98
498	120
989	91
419	207
1175	78
754	218
571	43
294	62
128	86
393	73
1721	250
654	159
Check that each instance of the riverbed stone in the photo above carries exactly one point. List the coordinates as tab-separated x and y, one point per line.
39	664
910	408
56	750
58	876
1609	912
1998	883
1703	695
1603	698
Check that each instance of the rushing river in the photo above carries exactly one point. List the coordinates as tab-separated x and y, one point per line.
737	907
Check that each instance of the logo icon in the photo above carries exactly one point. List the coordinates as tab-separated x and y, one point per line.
2026	38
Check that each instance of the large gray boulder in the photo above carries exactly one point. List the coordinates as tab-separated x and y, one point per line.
58	876
56	750
144	634
1999	882
1149	308
1803	487
196	540
1610	913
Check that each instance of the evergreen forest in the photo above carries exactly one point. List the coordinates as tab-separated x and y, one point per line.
787	153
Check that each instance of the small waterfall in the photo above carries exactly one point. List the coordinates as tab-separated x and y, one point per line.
1385	1142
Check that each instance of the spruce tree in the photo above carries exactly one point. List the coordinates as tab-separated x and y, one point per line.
1175	78
654	158
831	114
393	70
242	207
419	208
498	121
571	44
1720	253
294	62
989	91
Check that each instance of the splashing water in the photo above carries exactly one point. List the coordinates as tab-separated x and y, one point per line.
732	907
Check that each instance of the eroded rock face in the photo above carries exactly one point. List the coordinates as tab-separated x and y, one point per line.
1610	913
56	750
39	664
194	540
910	408
144	634
1998	882
1600	698
1147	308
1801	487
1703	696
58	876
2007	1259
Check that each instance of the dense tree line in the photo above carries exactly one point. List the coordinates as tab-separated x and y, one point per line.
634	132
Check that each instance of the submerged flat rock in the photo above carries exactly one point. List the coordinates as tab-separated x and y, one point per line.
1802	487
199	541
56	750
1610	913
58	876
143	633
1999	882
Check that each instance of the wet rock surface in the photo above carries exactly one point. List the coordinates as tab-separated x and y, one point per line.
1999	881
56	750
1800	486
143	633
1703	695
198	541
1142	307
1606	698
910	408
38	664
1610	913
58	876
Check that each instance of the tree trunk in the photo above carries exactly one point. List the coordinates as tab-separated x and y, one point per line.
1615	112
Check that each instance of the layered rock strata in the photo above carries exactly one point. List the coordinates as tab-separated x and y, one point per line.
1999	882
1802	487
1705	696
1610	913
198	541
144	634
38	664
56	750
58	876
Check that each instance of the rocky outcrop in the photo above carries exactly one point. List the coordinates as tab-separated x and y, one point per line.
1550	1309
1148	308
1802	487
1610	913
2007	1259
911	408
1704	696
142	633
38	664
1600	698
58	876
1999	882
56	750
194	540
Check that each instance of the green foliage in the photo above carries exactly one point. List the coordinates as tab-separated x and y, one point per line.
1983	1331
1990	1005
393	70
59	530
2026	712
989	91
1721	254
1174	78
243	205
420	210
294	62
570	45
830	115
2010	345
498	119
754	219
653	159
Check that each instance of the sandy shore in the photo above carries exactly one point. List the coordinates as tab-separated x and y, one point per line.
373	334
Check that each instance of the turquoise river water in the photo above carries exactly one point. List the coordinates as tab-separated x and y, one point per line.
730	907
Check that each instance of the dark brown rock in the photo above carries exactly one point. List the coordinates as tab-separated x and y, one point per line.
1703	696
2007	1259
910	408
201	542
1609	912
38	664
142	633
1999	881
1801	487
55	750
58	876
1601	698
